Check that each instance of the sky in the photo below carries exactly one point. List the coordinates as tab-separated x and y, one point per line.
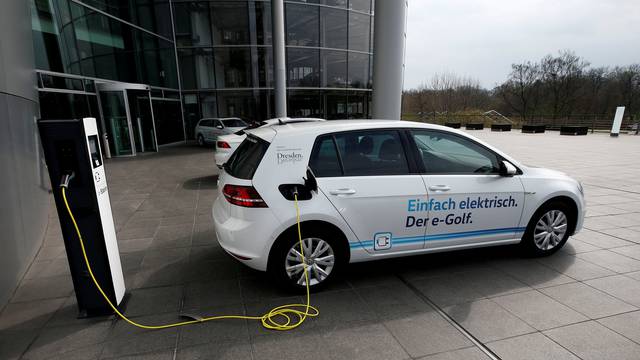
480	39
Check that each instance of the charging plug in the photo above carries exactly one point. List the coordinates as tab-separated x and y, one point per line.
310	182
66	178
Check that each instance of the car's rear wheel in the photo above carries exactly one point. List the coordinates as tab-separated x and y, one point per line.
548	230
322	259
200	140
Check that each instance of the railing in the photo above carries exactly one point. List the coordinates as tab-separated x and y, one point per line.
497	118
592	121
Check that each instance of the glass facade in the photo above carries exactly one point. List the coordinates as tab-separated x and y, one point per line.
217	52
81	44
75	39
226	62
152	15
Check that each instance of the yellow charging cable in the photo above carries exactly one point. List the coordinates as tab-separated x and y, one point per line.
291	315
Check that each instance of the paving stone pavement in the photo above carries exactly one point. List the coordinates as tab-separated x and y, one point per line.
583	302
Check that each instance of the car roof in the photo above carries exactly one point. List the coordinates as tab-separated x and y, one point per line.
227	118
314	129
323	127
289	120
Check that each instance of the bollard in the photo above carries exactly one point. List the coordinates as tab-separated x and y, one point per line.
617	121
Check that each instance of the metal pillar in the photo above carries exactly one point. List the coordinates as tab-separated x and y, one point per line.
279	67
178	76
389	36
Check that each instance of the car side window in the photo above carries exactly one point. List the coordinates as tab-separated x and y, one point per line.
372	152
216	123
359	153
444	153
324	158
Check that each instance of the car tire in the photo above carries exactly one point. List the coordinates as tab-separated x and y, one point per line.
542	237
321	270
201	140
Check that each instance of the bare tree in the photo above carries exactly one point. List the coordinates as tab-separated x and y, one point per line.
562	85
595	80
520	91
444	86
561	76
627	80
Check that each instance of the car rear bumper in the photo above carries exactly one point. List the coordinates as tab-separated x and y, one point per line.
244	233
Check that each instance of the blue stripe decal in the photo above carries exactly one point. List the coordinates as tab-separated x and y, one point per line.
416	239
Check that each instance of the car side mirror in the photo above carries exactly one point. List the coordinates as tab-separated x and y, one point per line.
507	168
219	127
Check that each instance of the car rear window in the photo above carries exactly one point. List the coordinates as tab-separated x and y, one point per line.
244	161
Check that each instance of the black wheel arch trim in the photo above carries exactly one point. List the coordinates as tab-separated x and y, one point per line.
567	200
310	225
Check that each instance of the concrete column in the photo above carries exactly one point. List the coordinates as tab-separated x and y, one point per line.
389	34
178	77
279	66
23	184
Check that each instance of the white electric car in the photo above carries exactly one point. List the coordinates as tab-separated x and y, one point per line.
227	144
377	189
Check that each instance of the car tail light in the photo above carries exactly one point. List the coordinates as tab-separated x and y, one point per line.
246	196
223	145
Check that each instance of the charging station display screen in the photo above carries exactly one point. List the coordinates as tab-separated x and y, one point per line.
94	150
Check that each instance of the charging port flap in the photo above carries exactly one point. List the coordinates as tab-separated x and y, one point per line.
288	191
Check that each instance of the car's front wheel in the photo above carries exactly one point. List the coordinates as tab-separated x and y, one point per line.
548	229
320	254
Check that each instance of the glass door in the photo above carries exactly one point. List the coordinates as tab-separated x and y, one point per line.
142	121
128	118
116	122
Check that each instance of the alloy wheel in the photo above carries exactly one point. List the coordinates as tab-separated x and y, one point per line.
319	259
550	230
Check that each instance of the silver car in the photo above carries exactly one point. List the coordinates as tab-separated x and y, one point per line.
227	144
208	129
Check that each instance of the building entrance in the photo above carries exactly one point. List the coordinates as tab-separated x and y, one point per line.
127	118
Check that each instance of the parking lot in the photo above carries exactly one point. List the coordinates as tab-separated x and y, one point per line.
583	302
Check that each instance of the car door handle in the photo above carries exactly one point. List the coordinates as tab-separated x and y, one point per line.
439	188
342	192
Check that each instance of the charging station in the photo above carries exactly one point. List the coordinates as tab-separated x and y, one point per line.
74	160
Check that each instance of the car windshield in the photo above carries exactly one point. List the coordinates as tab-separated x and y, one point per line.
234	123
